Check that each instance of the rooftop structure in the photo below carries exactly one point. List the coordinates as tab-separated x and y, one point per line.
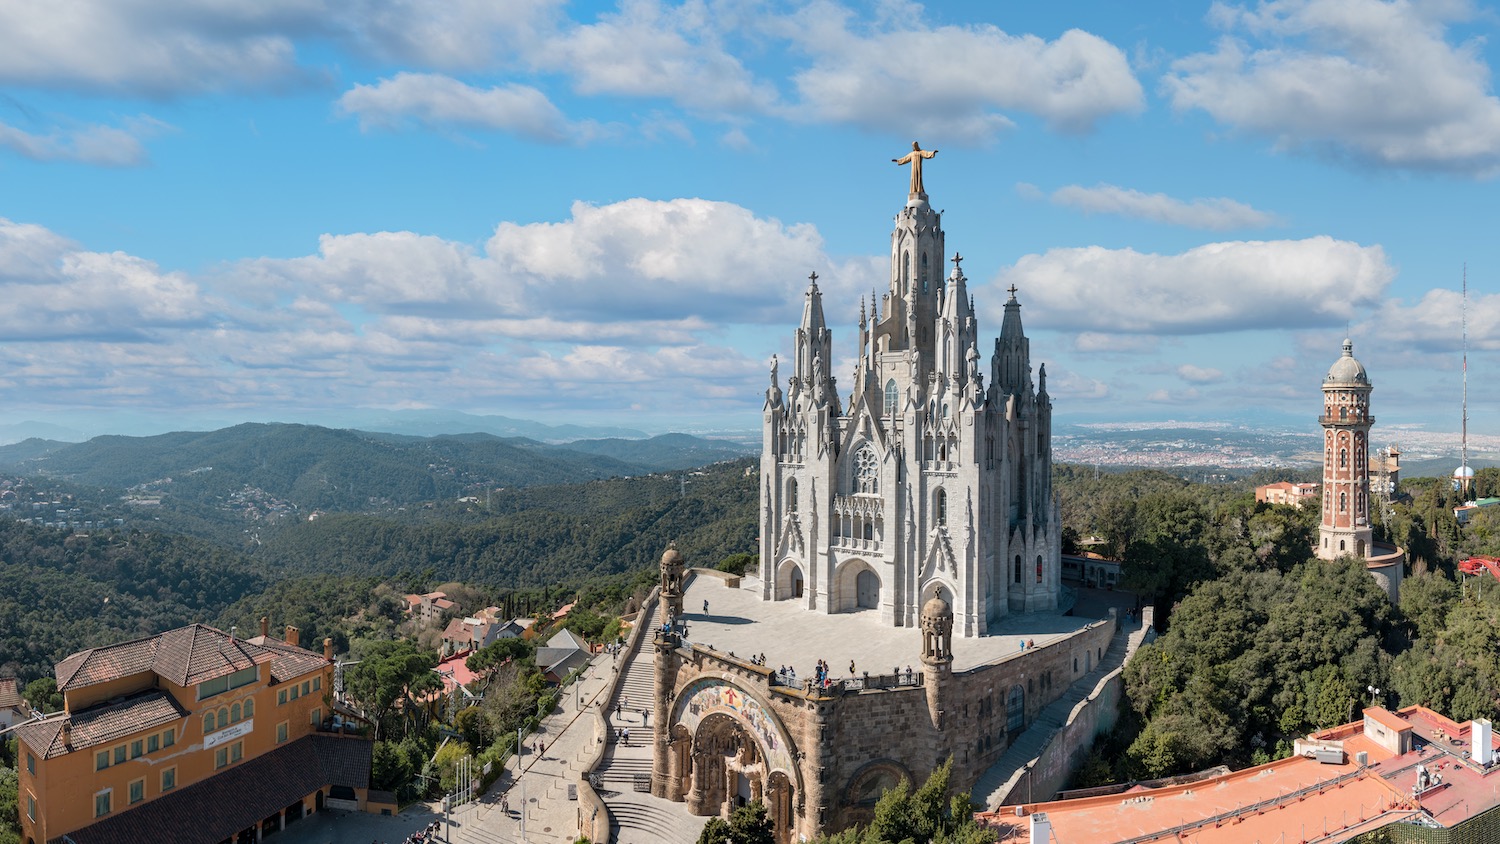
189	735
1413	767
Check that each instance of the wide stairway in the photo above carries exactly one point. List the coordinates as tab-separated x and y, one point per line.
637	817
996	784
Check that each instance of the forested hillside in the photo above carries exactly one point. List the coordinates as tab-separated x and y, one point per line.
62	593
542	535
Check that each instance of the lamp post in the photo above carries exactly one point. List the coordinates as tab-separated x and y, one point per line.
1374	694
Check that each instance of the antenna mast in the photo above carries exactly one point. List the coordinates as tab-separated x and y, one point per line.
1464	435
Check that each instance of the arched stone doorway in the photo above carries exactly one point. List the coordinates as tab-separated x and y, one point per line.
856	587
789	581
729	748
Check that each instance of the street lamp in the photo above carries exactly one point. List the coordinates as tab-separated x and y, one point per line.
1374	694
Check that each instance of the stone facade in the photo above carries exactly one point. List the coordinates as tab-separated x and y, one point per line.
929	481
728	731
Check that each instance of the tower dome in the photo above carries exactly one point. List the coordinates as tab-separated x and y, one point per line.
936	608
1347	370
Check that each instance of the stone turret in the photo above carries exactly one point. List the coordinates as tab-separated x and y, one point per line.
666	640
937	654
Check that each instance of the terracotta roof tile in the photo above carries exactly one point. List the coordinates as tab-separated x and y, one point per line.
289	660
101	724
10	693
43	737
185	656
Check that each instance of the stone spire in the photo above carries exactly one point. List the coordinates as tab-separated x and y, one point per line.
1012	359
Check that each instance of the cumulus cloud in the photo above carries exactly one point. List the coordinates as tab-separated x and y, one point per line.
612	307
1373	81
1199	374
434	100
1434	323
51	289
106	146
651	50
1217	213
101	46
967	79
1217	287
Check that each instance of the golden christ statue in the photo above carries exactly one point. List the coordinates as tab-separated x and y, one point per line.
914	158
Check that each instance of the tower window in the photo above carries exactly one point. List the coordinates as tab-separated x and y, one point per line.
890	397
791	495
1039	568
1343	506
1017	576
940	507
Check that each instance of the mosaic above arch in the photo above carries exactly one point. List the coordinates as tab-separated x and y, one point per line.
708	695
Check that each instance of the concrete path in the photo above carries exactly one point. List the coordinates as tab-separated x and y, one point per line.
538	784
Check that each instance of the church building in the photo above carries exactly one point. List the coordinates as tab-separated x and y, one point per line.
936	477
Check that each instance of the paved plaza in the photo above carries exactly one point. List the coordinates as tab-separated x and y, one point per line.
738	621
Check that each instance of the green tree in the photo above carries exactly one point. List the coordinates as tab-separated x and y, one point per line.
748	825
925	816
389	679
43	694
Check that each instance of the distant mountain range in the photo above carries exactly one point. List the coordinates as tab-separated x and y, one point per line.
420	423
315	467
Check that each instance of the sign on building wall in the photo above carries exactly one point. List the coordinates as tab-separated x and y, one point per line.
243	728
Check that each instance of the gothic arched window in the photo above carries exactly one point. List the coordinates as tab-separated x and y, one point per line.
940	507
791	495
866	471
1015	708
890	397
1039	568
1018	569
1343	457
1343	501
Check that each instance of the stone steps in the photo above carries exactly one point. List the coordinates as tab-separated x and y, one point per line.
645	823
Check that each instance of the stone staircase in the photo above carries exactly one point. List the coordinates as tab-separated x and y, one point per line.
996	784
637	817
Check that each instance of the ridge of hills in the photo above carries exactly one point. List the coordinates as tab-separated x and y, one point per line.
340	469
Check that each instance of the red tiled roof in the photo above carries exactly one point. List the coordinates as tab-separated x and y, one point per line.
10	694
43	737
239	797
185	656
134	714
289	660
101	724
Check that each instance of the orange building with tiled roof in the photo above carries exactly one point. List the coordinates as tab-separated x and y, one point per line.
192	735
1412	767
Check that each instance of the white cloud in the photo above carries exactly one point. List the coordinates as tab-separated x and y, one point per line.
434	100
1164	396
1212	288
1374	81
446	34
1097	341
1217	213
1434	323
104	46
964	81
651	50
108	146
50	289
1199	374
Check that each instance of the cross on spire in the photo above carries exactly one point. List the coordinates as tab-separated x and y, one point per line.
1012	289
813	278
957	259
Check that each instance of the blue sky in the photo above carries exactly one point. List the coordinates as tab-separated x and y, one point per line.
215	211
